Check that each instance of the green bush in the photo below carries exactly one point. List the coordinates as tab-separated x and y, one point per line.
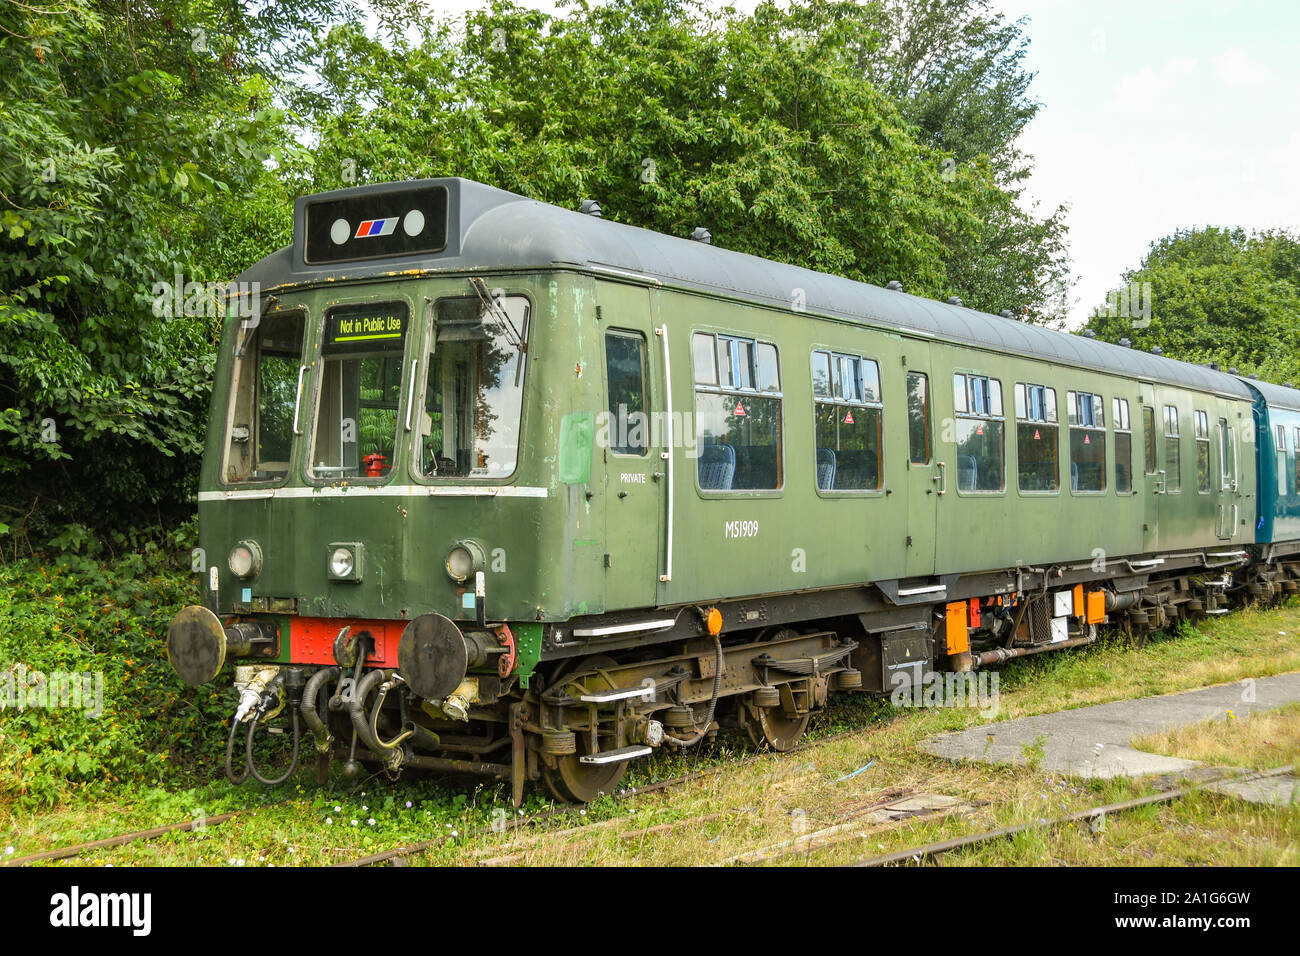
84	613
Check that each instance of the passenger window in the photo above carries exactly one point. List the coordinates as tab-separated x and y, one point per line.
1173	454
847	424
1087	441
738	413
1123	447
469	427
980	454
629	428
360	391
1036	437
1203	452
918	418
265	399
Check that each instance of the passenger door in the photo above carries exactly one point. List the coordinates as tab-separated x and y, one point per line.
1153	476
1227	483
927	476
632	438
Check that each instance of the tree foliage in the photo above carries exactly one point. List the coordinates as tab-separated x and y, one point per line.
142	141
1215	295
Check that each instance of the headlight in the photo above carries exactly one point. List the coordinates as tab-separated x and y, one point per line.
245	559
460	563
341	563
346	560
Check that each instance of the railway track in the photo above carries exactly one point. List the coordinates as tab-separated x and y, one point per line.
518	823
135	836
932	851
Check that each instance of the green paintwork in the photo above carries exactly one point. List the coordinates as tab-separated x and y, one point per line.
555	547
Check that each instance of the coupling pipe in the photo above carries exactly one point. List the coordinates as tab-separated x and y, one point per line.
366	724
311	715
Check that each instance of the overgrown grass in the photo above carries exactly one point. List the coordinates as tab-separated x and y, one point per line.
760	801
104	620
1262	740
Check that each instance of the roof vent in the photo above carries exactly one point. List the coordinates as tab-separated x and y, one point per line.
702	235
1007	314
1089	334
1288	385
590	207
953	300
1233	371
894	286
1252	375
1157	350
1215	366
1126	343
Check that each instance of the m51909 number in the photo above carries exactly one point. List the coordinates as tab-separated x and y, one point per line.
741	529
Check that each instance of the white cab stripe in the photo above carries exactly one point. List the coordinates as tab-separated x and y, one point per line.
383	491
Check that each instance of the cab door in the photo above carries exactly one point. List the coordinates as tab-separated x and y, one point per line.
926	479
632	438
1153	476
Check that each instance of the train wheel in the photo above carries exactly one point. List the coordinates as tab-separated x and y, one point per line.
577	782
771	727
571	780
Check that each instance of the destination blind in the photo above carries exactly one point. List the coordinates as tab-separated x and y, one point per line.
369	329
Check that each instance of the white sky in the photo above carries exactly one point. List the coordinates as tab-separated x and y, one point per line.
1157	115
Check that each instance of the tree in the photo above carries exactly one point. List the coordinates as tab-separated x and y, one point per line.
126	129
675	116
1213	295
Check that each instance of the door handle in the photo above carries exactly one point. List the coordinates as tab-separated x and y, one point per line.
1160	482
941	479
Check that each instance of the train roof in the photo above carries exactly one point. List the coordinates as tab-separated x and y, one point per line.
489	229
1276	396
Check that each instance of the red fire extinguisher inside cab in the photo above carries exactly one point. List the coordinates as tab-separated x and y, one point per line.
375	465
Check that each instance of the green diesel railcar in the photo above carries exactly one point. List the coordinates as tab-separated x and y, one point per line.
500	487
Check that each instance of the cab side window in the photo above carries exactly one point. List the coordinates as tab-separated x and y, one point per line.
629	428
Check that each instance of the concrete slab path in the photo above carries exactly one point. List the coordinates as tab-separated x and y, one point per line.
1094	741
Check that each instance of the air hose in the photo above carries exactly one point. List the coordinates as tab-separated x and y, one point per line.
713	702
230	757
293	763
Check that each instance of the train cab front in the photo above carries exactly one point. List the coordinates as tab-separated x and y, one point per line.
363	480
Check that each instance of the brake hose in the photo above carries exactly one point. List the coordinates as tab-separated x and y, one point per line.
713	703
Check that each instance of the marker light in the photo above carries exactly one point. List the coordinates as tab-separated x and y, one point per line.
245	559
460	563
